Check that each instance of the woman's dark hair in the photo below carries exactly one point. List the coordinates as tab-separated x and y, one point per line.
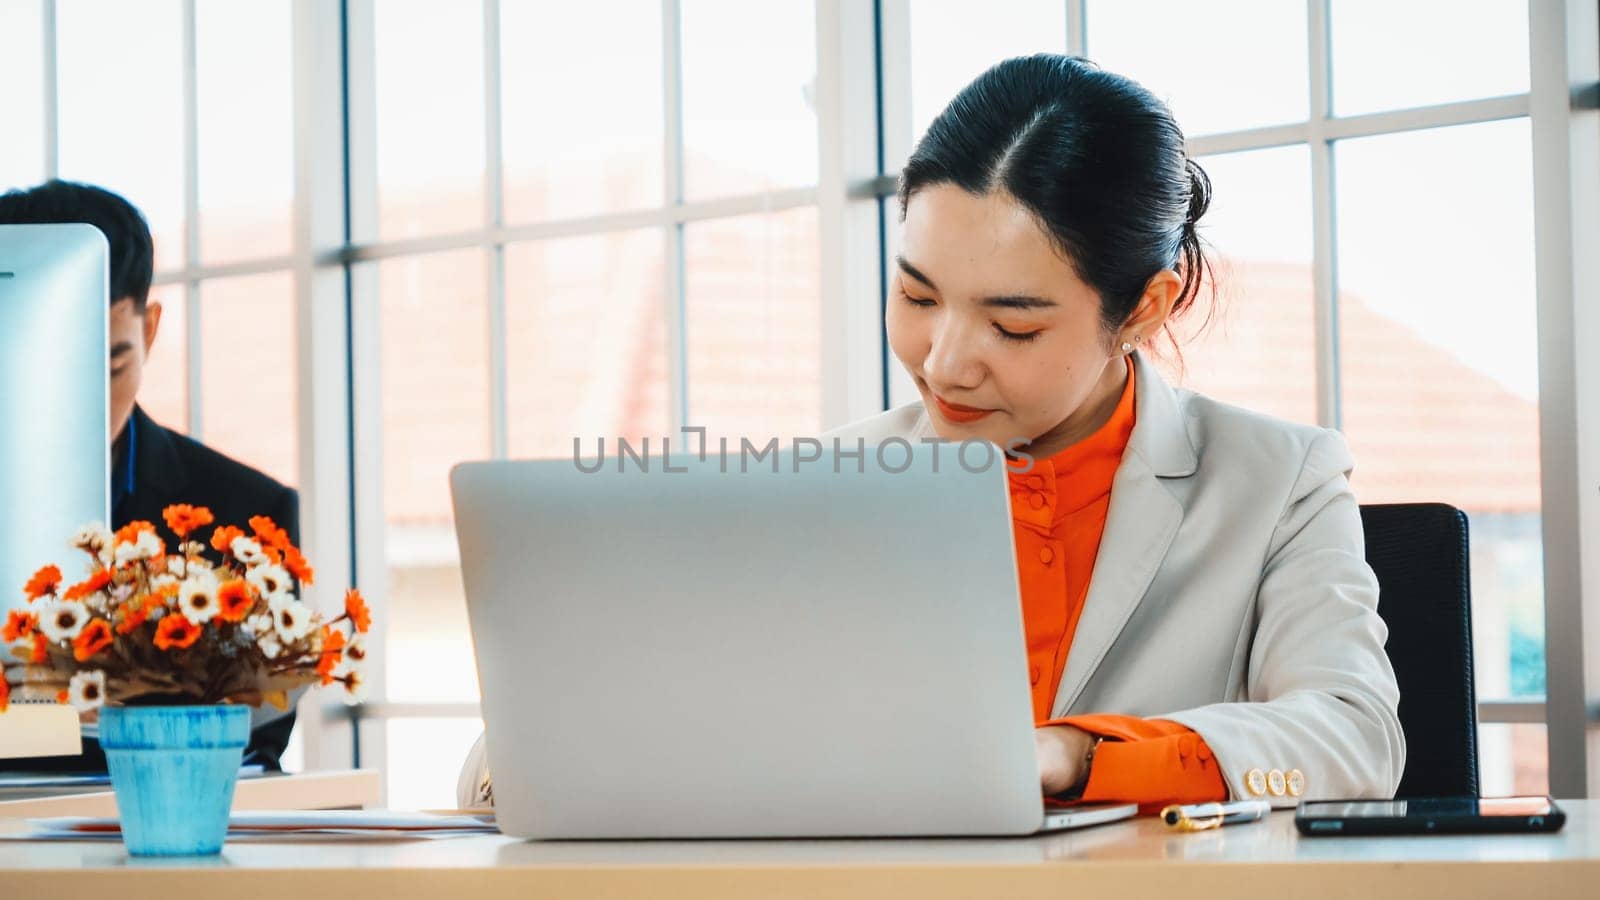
132	251
1093	155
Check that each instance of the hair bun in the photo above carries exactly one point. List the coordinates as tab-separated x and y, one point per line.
1199	192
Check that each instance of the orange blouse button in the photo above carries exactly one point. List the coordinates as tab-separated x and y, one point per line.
1036	482
1046	555
1036	501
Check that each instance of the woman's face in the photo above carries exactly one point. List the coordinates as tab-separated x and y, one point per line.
1001	336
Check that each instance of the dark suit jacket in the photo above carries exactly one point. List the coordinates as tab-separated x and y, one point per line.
168	468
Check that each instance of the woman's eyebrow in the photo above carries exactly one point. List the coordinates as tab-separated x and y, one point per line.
1018	302
1012	301
914	272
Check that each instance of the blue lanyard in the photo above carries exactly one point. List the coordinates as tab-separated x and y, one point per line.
133	440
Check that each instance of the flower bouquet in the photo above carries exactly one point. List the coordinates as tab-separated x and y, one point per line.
169	648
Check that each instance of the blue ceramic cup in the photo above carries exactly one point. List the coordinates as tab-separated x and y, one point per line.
173	769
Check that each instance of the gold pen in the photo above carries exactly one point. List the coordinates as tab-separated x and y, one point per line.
1201	816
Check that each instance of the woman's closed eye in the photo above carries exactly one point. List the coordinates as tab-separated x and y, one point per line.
1021	337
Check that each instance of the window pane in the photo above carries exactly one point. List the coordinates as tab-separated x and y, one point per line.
1398	55
22	72
1258	348
164	392
424	760
754	325
245	116
1220	66
571	153
248	364
430	117
1439	359
435	389
749	77
572	370
1513	760
121	86
950	46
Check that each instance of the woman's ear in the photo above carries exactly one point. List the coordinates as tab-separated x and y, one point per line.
1152	310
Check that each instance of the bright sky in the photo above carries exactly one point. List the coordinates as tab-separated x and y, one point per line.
1435	228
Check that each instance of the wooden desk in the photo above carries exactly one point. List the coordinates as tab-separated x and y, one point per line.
358	789
1128	859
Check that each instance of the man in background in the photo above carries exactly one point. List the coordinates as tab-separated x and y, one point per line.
153	466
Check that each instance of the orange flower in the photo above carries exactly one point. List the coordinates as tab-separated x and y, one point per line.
222	538
268	532
88	586
129	533
134	614
95	637
356	609
41	650
20	626
297	565
183	518
332	653
45	581
61	696
137	611
176	631
235	599
5	695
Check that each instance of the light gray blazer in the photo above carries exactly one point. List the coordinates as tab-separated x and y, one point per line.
1231	594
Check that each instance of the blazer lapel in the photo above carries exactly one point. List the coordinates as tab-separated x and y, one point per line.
1141	522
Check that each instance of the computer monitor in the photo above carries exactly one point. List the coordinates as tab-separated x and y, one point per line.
54	397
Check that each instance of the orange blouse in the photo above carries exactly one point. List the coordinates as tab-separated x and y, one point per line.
1058	511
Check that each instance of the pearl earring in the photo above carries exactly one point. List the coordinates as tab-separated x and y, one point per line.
1127	347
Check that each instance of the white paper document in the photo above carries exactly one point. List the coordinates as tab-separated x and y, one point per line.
375	824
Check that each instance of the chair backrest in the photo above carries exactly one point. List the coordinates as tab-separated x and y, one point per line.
1419	552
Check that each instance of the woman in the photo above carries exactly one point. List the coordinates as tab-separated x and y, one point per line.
1201	623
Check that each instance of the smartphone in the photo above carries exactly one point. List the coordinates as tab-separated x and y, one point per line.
1432	815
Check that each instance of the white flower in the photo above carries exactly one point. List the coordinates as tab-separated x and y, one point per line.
197	597
95	539
162	581
355	651
355	687
175	566
121	592
247	551
291	619
269	644
87	690
62	620
145	546
260	628
270	581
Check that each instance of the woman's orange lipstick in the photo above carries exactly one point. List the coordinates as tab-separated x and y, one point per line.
959	414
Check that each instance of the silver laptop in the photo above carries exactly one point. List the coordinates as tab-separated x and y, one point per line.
747	647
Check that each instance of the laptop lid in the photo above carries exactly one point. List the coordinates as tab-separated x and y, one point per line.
786	650
54	398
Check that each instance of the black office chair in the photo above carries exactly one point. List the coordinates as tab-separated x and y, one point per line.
1419	552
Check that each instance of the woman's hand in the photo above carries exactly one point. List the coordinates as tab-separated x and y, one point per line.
1062	751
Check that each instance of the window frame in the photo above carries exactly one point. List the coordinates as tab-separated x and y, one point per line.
862	71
